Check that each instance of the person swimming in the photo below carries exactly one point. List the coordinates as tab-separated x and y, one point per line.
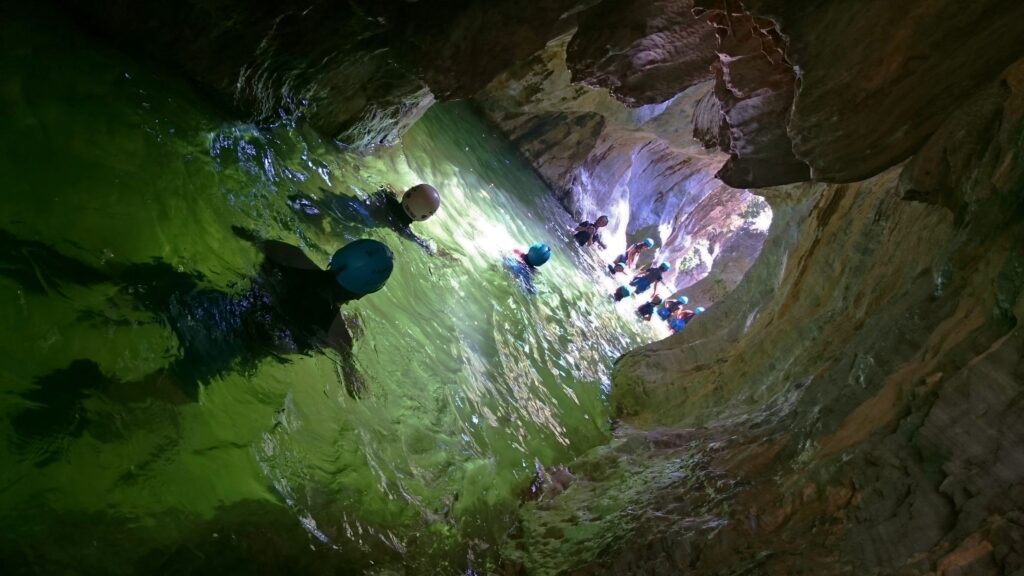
681	317
670	307
621	293
381	209
628	258
290	306
646	310
652	276
526	263
589	233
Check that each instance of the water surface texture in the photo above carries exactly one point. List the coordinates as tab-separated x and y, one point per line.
470	381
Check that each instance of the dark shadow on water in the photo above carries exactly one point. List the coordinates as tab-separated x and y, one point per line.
246	537
40	269
289	307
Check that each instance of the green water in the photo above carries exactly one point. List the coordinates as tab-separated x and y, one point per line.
470	381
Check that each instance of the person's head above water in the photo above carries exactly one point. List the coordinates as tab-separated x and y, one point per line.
421	202
698	310
648	242
602	220
664	266
538	254
362	267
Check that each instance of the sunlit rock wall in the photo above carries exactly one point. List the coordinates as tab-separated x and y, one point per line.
640	166
852	407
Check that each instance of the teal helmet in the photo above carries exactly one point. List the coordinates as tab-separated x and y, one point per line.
664	267
649	242
683	300
699	310
538	254
363	266
623	291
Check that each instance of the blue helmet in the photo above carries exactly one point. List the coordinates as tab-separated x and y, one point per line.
683	300
699	309
623	291
664	266
362	267
649	242
539	253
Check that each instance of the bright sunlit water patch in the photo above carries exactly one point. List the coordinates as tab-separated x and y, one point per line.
470	380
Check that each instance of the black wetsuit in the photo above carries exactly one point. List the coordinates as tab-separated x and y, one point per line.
646	310
672	306
590	230
382	208
647	279
289	307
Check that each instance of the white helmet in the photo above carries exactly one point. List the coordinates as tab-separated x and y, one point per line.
420	202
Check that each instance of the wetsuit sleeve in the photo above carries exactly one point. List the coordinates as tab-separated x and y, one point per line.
287	255
408	234
278	252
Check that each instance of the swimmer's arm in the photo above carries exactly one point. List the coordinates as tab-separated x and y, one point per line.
422	243
287	255
276	251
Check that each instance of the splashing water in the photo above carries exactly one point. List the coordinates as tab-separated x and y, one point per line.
470	381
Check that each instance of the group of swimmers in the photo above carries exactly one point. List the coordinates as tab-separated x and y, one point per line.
675	312
291	303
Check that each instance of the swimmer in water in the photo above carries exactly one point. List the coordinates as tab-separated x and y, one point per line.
681	317
670	307
628	258
382	209
589	233
289	307
646	310
621	293
650	277
525	264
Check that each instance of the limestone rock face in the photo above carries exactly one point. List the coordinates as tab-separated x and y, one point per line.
754	86
852	407
640	166
834	91
877	78
655	49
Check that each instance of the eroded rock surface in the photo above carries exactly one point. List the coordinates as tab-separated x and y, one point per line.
877	78
361	71
852	407
641	166
655	49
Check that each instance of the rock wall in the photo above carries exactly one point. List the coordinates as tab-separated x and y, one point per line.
852	407
641	166
361	71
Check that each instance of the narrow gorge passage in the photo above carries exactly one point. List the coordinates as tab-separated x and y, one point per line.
470	382
840	183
